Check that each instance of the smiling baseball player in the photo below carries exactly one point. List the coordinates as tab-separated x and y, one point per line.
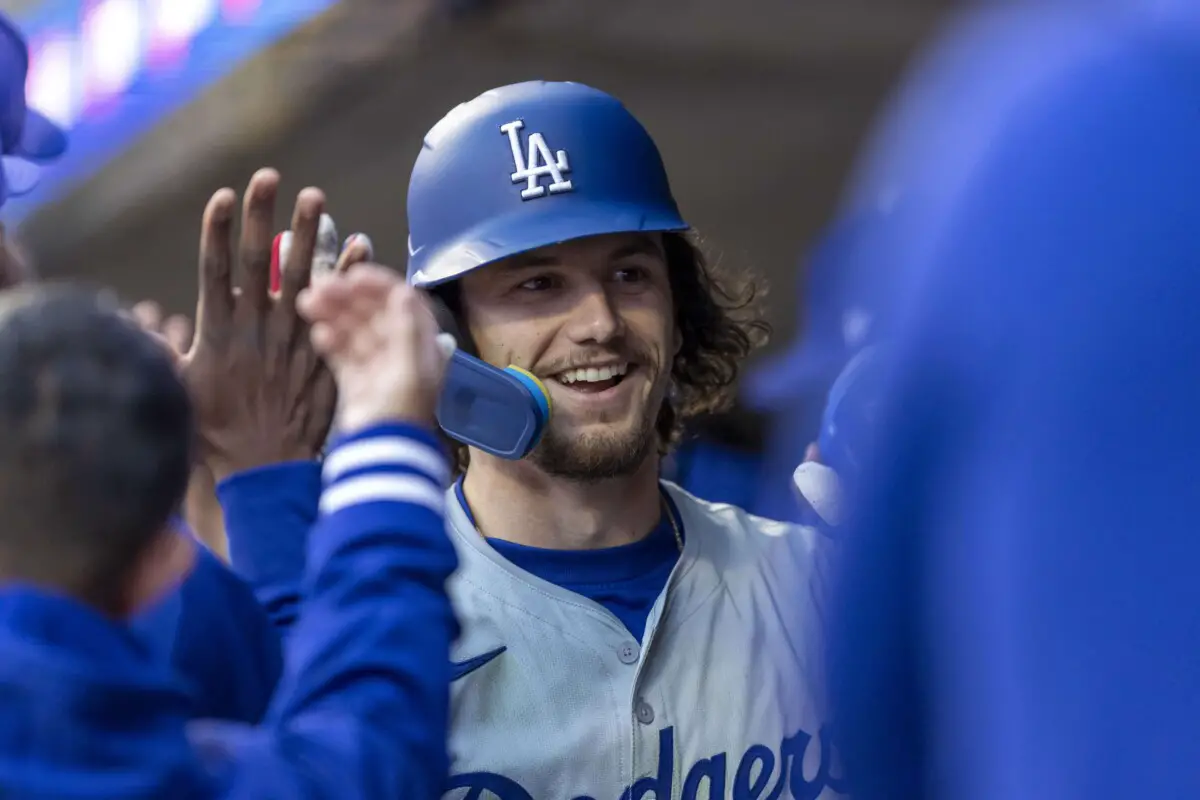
621	638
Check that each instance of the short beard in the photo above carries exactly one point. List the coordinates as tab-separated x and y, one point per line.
588	459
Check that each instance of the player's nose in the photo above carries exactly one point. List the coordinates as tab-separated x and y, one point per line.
594	317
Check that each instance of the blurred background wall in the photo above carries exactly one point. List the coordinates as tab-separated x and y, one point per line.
757	105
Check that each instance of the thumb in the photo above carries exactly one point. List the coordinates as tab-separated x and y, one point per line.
443	350
446	345
819	487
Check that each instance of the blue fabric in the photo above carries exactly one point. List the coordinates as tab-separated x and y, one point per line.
361	712
268	512
89	712
715	472
221	631
1020	610
840	310
218	639
626	580
792	430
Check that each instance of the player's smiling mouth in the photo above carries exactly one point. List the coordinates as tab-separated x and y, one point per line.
594	379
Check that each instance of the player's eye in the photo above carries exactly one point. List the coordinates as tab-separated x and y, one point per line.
631	274
538	283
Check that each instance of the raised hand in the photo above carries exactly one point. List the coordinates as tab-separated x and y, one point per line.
381	340
262	393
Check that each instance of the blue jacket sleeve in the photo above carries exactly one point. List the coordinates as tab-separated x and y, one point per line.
268	513
221	631
218	640
362	710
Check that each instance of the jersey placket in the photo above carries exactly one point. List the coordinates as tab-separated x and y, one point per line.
646	705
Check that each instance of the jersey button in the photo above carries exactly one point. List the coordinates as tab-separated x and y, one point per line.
628	653
643	712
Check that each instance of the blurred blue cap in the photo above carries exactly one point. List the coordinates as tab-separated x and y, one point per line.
840	319
25	135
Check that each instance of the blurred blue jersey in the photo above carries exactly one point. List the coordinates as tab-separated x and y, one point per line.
220	641
1020	612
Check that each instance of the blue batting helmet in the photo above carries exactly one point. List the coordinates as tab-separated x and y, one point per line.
529	165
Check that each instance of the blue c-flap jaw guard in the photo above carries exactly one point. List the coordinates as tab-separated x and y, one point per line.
499	411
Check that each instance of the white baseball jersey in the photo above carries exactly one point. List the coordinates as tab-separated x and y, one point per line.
723	698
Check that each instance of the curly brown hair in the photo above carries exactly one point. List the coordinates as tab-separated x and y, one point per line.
719	314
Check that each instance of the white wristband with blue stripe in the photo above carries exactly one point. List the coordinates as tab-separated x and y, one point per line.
393	462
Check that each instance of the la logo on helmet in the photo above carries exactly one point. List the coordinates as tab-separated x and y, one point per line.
538	164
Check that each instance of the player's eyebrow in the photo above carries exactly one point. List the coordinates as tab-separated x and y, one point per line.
641	246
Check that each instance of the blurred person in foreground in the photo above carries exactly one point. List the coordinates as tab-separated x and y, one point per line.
210	628
1019	611
94	459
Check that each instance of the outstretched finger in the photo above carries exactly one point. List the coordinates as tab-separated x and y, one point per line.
214	307
147	314
298	260
358	250
254	248
178	330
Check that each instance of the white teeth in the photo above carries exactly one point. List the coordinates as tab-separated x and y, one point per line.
592	374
